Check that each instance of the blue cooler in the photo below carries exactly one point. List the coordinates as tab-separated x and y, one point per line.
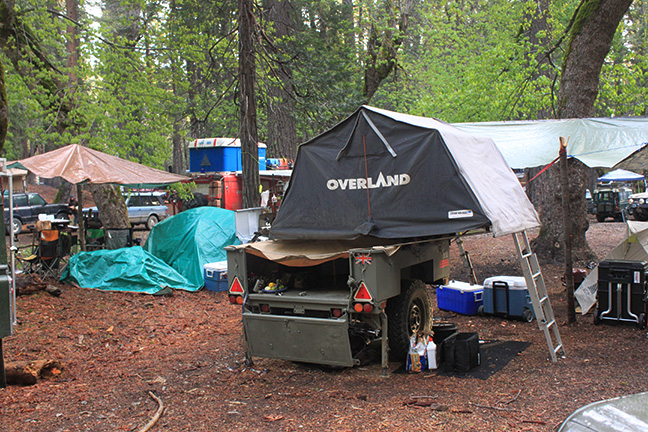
508	296
459	297
216	276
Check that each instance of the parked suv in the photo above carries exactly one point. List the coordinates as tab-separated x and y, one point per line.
638	206
611	202
146	208
27	207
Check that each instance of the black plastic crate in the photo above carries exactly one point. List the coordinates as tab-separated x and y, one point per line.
622	292
460	352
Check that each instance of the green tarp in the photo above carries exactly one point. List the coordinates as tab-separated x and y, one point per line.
193	238
127	269
173	256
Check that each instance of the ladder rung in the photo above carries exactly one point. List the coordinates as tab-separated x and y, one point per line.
536	275
543	299
550	323
558	348
527	255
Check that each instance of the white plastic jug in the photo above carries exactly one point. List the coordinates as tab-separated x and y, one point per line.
431	355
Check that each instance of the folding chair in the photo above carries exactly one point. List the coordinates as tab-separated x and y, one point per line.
95	238
117	238
45	259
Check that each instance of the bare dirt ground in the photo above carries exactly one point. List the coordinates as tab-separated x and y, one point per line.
186	349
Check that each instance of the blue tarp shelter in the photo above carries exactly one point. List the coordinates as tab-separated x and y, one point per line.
193	238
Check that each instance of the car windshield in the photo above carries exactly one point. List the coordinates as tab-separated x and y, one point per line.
36	200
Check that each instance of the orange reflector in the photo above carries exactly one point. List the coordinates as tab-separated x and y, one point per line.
358	307
363	293
239	300
236	287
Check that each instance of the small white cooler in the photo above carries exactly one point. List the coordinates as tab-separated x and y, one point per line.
216	276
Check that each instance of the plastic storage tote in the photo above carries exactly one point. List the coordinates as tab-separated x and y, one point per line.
622	292
508	296
459	297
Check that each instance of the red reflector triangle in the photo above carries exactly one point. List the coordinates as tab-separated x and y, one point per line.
363	293
236	287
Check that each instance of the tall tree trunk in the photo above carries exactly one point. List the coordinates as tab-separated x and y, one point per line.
594	25
282	130
248	121
383	45
590	40
110	205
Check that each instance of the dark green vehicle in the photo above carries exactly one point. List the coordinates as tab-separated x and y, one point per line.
611	202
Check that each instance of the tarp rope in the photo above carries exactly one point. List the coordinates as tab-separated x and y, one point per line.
364	144
544	169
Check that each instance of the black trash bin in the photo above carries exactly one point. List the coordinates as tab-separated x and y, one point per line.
622	292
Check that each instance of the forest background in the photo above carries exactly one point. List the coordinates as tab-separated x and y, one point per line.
141	79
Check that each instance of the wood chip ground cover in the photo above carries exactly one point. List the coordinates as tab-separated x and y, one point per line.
187	350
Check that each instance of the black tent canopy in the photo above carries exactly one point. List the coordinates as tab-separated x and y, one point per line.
389	175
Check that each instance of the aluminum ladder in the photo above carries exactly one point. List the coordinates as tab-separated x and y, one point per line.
538	293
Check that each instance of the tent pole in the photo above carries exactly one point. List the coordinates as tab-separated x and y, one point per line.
567	231
82	243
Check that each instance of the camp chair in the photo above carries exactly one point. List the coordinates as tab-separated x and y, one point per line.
95	238
117	238
45	259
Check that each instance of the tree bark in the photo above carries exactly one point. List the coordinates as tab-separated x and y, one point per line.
110	205
28	373
382	47
545	192
282	130
590	40
28	58
594	25
248	121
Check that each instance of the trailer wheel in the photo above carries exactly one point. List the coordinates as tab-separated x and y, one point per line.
408	313
597	319
642	321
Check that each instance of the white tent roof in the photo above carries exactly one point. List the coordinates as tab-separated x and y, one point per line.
621	175
597	142
489	176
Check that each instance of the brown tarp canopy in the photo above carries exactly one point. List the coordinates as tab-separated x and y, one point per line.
79	164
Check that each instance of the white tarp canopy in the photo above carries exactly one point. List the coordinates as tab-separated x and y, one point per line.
597	142
620	175
633	248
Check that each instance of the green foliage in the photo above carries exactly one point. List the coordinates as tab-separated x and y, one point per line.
147	65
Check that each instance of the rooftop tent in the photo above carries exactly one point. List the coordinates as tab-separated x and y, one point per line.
620	175
389	175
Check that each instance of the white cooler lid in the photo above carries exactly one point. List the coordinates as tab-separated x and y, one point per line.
514	282
463	286
216	266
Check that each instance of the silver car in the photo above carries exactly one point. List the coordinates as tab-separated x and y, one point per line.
146	208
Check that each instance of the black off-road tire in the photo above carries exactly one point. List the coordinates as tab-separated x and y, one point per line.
600	218
408	313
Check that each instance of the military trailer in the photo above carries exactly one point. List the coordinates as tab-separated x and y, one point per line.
363	231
